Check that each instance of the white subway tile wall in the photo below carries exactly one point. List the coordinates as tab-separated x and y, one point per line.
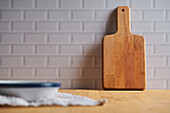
60	40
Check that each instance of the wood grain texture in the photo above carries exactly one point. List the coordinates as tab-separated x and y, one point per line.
147	101
123	56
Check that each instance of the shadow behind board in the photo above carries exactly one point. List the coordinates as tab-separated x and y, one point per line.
110	28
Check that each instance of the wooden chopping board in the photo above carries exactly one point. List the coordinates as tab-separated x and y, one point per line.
123	56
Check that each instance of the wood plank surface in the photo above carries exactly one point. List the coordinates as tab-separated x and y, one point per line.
123	56
147	101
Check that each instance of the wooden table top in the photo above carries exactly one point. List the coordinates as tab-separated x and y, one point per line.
147	101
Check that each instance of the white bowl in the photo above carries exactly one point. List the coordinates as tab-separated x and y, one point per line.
29	90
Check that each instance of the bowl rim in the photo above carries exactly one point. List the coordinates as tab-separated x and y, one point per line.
27	84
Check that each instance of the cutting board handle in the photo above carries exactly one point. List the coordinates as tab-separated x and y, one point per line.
123	19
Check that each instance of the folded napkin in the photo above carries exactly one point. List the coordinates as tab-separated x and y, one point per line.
61	99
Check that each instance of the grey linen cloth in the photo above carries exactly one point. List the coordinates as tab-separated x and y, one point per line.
61	99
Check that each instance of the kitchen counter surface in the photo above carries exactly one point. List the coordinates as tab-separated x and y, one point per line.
127	101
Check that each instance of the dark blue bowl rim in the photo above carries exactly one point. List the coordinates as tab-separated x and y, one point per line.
28	84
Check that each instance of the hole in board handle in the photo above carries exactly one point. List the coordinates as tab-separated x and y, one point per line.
123	10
